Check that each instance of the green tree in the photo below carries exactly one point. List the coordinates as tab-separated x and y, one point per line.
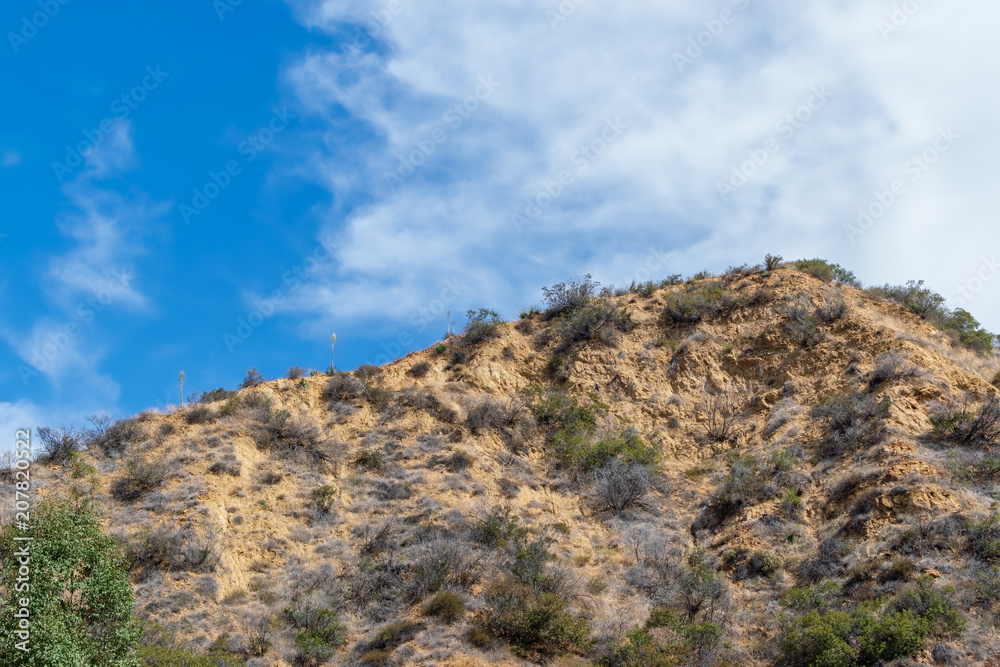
80	599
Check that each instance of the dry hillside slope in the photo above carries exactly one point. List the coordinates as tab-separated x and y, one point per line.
644	484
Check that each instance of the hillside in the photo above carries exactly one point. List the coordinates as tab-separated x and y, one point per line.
757	468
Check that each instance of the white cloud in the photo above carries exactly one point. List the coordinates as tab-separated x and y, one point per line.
657	185
9	158
16	416
108	230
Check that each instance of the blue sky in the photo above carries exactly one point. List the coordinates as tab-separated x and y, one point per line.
209	186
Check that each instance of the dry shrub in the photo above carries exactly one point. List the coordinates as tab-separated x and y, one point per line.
854	422
618	486
113	439
140	477
185	549
723	414
892	366
419	369
966	425
343	387
58	445
200	414
508	418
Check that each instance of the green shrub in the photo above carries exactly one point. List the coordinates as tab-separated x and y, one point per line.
558	411
640	649
827	271
167	656
573	438
866	636
686	639
533	623
313	648
963	326
214	395
322	497
320	631
498	527
697	301
161	648
592	453
370	459
449	607
930	605
570	296
894	634
763	564
818	640
561	527
791	502
772	262
395	634
483	325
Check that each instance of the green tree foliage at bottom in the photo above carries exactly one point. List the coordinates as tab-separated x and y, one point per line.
80	599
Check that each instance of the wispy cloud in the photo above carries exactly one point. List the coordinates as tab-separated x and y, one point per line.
106	231
9	158
107	228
